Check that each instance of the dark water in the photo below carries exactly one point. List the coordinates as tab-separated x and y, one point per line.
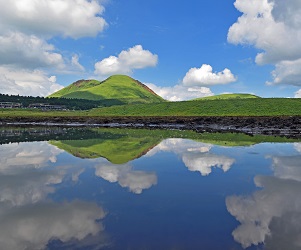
128	189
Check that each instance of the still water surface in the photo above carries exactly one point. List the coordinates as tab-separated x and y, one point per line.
138	189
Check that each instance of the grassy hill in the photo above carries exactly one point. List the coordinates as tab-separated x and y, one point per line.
228	107
228	96
115	90
222	107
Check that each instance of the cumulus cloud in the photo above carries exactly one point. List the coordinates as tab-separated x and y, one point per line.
180	92
135	181
271	215
205	76
25	28
274	28
27	82
28	52
288	72
48	18
128	60
195	84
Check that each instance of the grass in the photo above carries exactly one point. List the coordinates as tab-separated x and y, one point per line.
228	96
118	87
230	107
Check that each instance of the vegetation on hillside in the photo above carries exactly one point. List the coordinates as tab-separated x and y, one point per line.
226	107
116	90
231	107
228	96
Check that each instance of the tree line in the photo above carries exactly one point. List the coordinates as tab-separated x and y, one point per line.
72	104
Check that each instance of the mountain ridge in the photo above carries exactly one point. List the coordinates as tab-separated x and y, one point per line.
119	88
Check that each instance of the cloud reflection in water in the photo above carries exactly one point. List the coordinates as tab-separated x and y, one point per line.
136	181
28	220
195	155
271	215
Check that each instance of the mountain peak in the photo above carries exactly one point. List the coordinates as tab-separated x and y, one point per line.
118	89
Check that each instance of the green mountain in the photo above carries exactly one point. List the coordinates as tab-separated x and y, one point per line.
228	96
117	89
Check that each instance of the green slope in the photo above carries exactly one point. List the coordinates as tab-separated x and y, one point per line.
224	107
117	89
228	96
230	107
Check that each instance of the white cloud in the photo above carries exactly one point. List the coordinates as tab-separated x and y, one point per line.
204	76
75	63
180	92
48	18
298	94
27	82
25	51
25	28
288	72
128	60
195	84
274	28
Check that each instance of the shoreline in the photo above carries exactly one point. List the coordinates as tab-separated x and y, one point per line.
288	126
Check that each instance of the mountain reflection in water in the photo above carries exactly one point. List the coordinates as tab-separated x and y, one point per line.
139	189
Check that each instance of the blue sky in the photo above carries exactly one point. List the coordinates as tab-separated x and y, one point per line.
181	50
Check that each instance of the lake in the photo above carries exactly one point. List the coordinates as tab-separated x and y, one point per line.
102	188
